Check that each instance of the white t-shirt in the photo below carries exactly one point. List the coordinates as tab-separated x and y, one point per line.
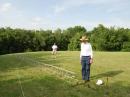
86	50
54	47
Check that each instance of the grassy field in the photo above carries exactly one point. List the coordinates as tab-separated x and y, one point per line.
27	75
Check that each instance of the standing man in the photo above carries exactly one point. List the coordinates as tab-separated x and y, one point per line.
54	49
86	58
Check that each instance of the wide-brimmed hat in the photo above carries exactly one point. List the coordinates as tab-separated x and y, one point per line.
84	38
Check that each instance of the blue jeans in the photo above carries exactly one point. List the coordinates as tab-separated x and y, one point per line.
85	61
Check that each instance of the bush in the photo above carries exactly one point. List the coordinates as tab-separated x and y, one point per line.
126	46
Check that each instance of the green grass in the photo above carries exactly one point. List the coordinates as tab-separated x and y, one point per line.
40	81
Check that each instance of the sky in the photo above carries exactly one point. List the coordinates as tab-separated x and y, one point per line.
53	14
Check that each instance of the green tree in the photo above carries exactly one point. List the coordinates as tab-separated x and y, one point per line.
75	43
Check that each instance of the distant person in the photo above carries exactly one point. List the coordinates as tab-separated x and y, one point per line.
86	58
54	49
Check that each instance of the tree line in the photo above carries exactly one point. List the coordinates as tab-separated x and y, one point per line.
102	39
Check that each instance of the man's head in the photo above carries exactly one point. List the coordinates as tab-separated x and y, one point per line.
84	39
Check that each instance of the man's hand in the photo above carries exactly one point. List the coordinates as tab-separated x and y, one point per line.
91	61
80	61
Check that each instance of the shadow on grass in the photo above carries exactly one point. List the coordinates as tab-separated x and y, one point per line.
107	74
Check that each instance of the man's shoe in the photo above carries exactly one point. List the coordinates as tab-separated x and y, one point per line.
86	81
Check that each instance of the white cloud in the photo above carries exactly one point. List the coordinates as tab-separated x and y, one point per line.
8	10
38	23
59	9
6	7
68	4
119	7
116	22
37	19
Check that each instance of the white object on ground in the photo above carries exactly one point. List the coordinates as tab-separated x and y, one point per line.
99	82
